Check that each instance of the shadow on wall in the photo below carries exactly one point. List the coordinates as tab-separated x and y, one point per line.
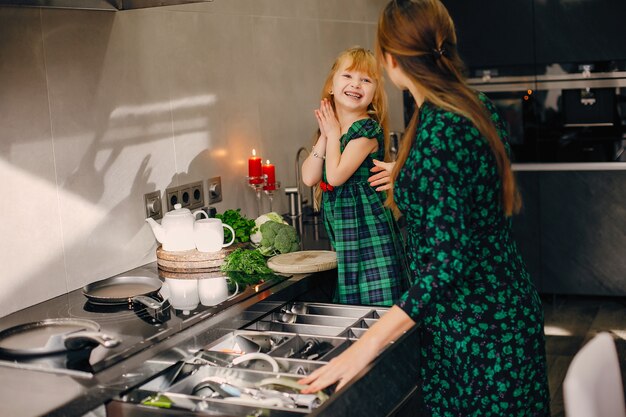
104	164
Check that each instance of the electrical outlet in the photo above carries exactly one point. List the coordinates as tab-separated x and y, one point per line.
197	195
184	193
152	203
190	196
173	197
215	189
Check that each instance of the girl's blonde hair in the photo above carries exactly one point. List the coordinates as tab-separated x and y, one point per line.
364	61
420	35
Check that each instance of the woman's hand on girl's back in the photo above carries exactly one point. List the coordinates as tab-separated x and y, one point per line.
382	177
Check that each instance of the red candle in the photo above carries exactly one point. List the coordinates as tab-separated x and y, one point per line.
270	171
254	169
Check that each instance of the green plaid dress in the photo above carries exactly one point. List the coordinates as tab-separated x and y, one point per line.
364	233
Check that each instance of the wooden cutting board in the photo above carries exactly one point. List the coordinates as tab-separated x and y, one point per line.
302	262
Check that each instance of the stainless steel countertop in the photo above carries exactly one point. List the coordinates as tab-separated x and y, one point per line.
26	392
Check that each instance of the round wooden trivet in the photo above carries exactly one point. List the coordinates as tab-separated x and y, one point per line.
193	260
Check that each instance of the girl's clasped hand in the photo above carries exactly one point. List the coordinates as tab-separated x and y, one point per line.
327	121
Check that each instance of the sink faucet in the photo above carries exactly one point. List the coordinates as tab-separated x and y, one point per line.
295	193
298	181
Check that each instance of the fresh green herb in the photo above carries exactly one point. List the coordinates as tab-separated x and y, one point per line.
249	261
243	226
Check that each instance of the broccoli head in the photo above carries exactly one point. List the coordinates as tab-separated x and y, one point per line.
266	242
269	230
278	238
284	240
291	232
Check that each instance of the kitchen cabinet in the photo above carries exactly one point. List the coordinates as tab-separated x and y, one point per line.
523	36
575	31
495	34
571	231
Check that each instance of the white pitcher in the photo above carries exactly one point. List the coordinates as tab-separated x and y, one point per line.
209	235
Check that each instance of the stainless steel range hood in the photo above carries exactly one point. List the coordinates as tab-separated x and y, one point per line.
109	5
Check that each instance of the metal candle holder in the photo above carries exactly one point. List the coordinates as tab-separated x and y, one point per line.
257	184
270	189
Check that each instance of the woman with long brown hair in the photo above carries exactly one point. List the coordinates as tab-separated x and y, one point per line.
481	322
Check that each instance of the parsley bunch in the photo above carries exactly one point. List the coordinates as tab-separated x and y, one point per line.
248	261
242	225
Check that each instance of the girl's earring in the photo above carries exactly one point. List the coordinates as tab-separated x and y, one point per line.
330	92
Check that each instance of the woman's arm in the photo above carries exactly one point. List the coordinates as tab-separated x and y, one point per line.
354	359
313	166
341	166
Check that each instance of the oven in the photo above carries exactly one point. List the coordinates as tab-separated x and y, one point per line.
562	117
559	116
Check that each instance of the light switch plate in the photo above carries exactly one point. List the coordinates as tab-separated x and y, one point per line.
153	205
215	190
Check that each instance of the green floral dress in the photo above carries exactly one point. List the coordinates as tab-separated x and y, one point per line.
482	347
371	267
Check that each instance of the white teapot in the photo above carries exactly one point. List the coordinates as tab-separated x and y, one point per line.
175	232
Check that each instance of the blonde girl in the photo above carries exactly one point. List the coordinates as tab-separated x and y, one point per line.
352	120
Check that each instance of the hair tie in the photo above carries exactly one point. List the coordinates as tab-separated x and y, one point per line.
438	53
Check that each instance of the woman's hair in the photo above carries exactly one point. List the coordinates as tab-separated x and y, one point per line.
420	36
365	61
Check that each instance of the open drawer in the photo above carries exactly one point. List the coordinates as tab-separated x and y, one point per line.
211	390
252	371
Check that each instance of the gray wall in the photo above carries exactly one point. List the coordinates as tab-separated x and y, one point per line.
98	108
